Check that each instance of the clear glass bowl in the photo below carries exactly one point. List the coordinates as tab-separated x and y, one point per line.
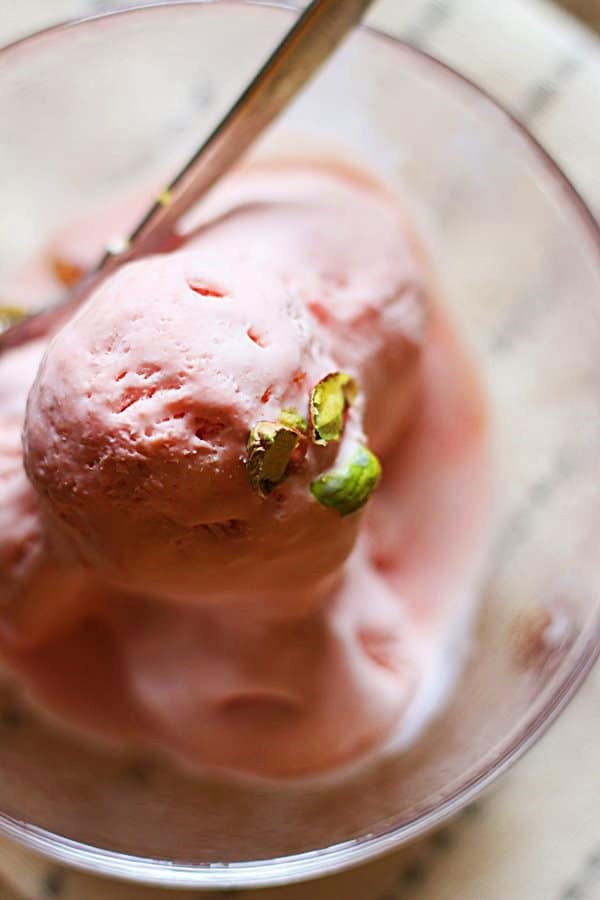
89	108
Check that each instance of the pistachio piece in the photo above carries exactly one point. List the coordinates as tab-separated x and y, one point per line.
348	488
292	418
329	400
270	448
10	315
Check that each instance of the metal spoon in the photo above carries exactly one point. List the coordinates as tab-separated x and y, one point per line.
310	41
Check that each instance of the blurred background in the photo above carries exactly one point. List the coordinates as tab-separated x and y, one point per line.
18	18
538	57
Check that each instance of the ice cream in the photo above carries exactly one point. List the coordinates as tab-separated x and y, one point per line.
201	441
38	587
171	381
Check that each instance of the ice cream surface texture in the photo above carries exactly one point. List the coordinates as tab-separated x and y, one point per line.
199	558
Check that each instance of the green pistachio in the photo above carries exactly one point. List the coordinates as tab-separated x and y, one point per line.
348	488
293	419
270	448
10	315
329	400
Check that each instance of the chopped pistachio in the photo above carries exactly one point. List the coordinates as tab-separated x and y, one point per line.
329	400
293	419
10	315
270	448
348	488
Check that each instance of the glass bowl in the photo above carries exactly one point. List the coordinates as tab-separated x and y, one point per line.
92	106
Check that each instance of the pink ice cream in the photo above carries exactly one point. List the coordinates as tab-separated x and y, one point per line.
38	587
170	382
263	635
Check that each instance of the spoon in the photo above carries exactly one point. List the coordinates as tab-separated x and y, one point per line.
310	41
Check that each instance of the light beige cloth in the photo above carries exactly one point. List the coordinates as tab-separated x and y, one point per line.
537	835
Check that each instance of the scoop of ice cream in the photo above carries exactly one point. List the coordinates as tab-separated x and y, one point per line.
240	689
138	423
285	697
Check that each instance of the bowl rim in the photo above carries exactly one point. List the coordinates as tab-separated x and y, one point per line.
328	860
